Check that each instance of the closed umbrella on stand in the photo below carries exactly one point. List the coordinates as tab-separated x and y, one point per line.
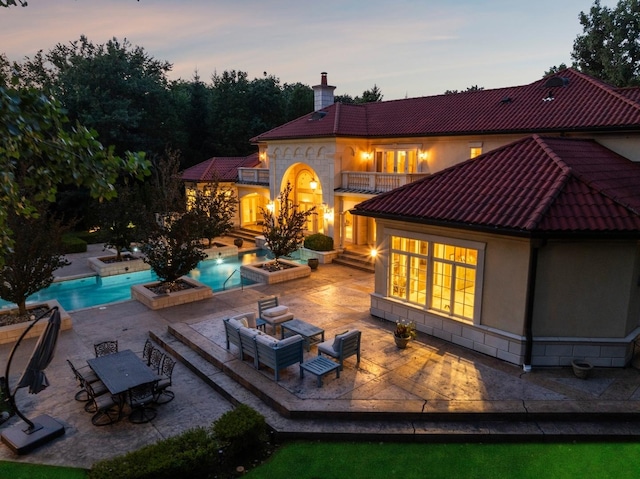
43	428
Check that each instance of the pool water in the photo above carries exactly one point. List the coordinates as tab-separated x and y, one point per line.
95	291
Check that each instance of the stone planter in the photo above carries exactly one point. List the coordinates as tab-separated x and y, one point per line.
257	274
151	300
221	251
129	264
581	368
11	333
323	257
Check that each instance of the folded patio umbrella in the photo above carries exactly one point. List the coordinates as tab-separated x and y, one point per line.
34	376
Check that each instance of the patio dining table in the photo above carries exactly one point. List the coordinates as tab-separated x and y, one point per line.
121	371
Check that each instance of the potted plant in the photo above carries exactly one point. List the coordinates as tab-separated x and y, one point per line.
405	331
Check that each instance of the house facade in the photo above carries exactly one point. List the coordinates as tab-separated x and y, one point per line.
344	155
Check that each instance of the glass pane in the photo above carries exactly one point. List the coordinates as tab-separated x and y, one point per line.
418	281
465	292
389	162
411	162
402	161
441	294
398	276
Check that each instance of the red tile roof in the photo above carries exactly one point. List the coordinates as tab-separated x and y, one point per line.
534	185
580	103
223	168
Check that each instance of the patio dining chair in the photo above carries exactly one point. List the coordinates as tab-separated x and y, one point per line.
139	398
107	409
155	360
105	347
162	394
146	351
81	378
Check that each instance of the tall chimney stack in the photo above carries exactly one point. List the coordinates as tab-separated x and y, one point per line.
323	93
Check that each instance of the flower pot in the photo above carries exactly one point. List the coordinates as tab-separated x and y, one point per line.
313	263
581	368
401	343
238	242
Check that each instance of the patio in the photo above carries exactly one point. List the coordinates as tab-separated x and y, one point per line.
432	391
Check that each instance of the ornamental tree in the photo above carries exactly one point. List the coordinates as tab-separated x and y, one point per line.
215	208
175	249
284	232
37	253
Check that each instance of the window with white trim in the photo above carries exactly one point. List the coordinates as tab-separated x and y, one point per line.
440	274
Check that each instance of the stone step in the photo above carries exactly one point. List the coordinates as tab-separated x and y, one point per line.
356	260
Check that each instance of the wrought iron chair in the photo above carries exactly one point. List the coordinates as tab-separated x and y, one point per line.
107	409
162	394
146	351
105	347
86	375
155	360
139	398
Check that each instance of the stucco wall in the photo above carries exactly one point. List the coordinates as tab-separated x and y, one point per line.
586	289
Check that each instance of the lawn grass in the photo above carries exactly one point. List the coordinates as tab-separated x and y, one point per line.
328	460
21	470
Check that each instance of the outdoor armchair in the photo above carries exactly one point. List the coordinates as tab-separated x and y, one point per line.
342	346
272	312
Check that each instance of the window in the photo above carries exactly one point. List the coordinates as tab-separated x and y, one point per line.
396	161
475	151
438	274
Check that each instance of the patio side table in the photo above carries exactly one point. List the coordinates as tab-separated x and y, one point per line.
320	366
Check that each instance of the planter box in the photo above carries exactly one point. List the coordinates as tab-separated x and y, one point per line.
323	257
151	300
11	333
256	273
129	264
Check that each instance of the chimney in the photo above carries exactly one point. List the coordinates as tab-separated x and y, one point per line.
322	94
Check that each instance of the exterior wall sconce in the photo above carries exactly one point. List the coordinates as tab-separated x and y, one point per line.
313	184
263	156
422	155
328	214
271	206
367	155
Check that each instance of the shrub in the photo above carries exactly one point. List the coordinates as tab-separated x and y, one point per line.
242	432
319	242
73	244
191	454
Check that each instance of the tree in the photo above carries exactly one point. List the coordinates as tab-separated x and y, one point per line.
284	232
165	185
29	267
554	70
175	249
369	96
123	220
215	208
40	151
609	47
470	88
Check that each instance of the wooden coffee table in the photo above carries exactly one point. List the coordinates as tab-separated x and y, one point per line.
311	334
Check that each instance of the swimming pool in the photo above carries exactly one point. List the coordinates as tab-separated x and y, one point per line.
95	291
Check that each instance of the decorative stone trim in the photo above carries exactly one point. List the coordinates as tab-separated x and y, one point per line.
141	293
601	352
130	264
255	273
11	333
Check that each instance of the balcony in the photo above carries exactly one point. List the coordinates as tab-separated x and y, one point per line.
253	176
369	182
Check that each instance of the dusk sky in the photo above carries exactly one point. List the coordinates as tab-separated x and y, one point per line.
408	48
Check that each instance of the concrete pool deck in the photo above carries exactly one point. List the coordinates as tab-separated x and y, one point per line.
431	391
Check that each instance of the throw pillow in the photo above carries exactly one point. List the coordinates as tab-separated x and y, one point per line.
275	311
336	341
